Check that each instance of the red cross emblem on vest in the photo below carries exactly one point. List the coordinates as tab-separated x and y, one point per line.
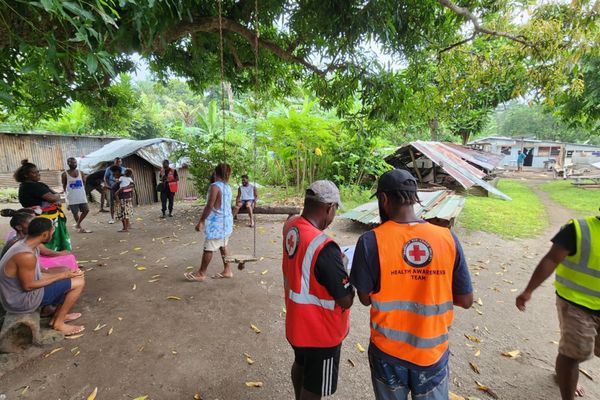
292	239
417	253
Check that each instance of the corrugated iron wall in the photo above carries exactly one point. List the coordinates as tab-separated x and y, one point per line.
48	152
144	176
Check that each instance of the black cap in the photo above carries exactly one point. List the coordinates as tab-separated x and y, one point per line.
396	180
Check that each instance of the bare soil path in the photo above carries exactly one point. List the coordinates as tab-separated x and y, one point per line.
173	349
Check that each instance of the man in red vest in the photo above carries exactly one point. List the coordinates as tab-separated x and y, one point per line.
318	294
411	273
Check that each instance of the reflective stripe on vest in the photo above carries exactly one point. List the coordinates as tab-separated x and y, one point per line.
406	337
304	297
578	276
414	307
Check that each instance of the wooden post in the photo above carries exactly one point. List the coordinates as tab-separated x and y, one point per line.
414	161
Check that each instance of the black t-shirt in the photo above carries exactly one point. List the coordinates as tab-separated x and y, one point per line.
567	238
30	193
330	271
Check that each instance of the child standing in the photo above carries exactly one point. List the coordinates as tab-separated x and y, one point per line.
123	191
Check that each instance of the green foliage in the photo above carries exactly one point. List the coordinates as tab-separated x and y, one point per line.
524	216
583	201
9	195
353	196
74	119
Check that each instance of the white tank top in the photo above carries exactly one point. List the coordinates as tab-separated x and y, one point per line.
75	189
247	192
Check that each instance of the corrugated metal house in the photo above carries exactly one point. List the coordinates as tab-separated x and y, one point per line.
48	151
539	152
144	158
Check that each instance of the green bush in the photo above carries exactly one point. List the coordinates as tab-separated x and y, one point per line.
9	195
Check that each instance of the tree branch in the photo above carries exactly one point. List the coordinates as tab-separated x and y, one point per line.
468	15
211	24
457	44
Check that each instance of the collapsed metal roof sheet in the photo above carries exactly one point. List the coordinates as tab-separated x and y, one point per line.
152	150
438	204
451	159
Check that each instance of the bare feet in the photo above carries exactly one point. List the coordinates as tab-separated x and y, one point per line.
579	391
69	330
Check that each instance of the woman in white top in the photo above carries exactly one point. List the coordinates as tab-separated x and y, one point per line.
73	182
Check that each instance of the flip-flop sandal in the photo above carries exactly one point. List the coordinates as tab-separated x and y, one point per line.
190	277
83	230
75	332
221	276
72	317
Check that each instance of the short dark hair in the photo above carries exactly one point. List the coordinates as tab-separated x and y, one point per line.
38	226
23	171
115	168
403	198
17	217
71	158
245	176
129	172
117	158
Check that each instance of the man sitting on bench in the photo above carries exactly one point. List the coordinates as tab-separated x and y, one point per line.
24	288
246	198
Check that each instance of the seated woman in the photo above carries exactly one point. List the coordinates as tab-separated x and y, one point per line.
49	259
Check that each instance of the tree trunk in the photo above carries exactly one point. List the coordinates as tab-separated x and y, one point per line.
434	124
465	137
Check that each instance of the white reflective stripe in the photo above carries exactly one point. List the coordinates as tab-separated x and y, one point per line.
330	377
413	340
307	298
308	259
323	377
304	297
414	307
584	252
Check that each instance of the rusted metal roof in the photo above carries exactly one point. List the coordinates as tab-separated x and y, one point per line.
486	160
439	204
451	159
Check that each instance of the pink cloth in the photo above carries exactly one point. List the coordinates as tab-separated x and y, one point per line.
68	261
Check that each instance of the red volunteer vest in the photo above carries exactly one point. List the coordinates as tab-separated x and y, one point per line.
170	180
412	312
313	319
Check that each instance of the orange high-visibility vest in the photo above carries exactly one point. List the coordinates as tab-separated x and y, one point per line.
173	186
412	312
313	319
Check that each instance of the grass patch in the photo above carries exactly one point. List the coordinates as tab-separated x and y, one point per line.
353	196
584	201
9	195
524	216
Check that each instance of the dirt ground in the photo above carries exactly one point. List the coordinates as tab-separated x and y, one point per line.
173	349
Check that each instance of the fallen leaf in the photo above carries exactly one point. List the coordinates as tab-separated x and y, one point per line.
477	353
360	348
479	302
77	353
512	354
351	363
155	276
173	298
478	311
173	352
120	318
92	396
110	331
134	287
141	398
455	396
24	390
507	281
99	298
254	328
137	248
254	384
249	360
474	367
474	339
98	327
555	342
189	268
487	390
153	280
264	272
124	252
587	374
197	396
73	337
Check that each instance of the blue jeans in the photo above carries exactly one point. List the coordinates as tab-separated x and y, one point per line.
395	382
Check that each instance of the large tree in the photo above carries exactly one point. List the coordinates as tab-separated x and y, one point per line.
54	51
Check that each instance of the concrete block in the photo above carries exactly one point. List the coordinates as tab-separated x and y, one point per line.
19	331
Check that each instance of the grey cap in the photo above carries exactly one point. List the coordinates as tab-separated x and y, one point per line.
324	192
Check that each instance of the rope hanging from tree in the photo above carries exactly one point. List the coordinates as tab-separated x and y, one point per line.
239	259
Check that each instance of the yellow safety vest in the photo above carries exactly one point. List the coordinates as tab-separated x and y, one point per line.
578	276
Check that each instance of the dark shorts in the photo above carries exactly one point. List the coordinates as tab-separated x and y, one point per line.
320	368
54	294
246	203
83	207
